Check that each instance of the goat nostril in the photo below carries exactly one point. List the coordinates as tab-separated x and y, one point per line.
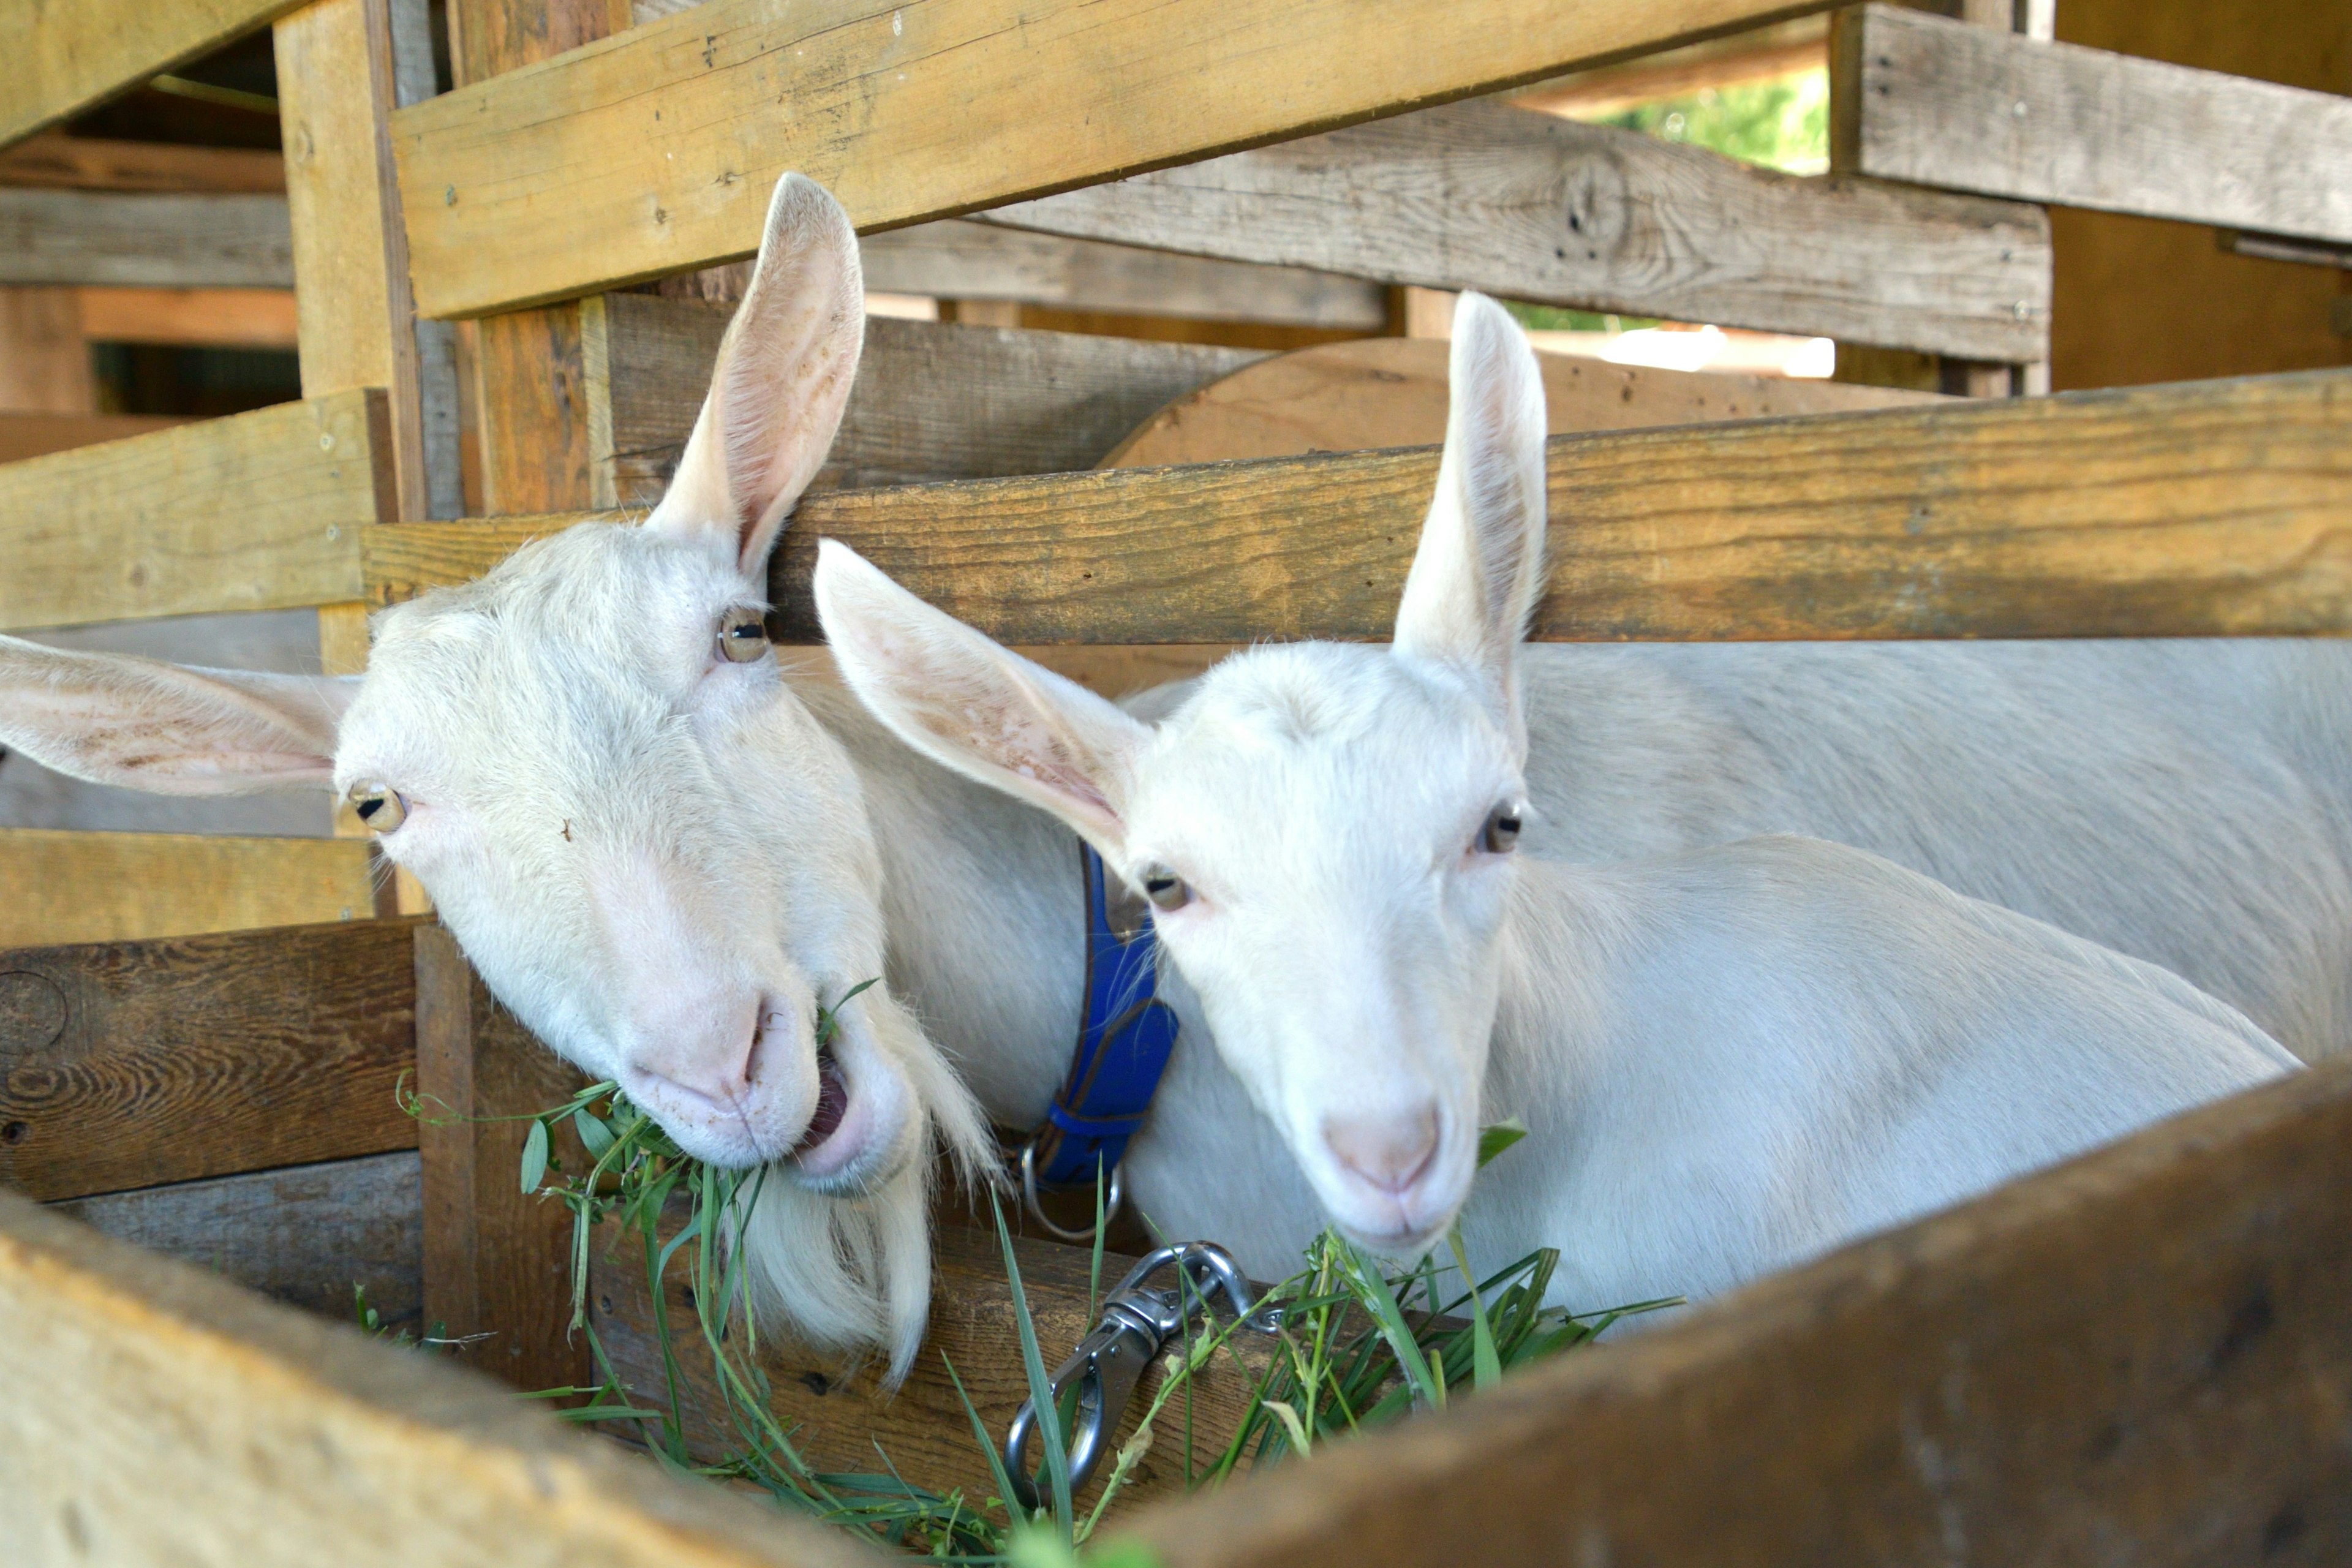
1392	1153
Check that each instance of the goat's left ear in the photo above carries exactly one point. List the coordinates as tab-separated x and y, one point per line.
780	383
975	707
1480	566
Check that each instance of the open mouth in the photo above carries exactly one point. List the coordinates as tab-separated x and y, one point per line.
832	1103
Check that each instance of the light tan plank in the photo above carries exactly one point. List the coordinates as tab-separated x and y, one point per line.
1530	206
156	1414
257	511
2206	509
2139	1357
144	240
62	59
58	886
97	163
653	151
1392	391
208	318
1936	103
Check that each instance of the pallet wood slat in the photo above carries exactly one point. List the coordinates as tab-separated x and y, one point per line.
37	434
653	151
62	59
62	886
156	1414
98	163
256	511
207	318
125	1065
1530	206
305	1236
2203	509
932	400
2140	1356
142	241
1938	103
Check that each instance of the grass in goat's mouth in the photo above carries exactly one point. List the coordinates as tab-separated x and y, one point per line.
1361	1345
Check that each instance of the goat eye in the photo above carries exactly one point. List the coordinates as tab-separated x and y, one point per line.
1165	889
1501	834
742	635
379	808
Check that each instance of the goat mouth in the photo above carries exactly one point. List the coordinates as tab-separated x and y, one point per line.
832	1103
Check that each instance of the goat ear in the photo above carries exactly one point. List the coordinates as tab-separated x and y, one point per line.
1480	565
975	707
783	378
168	729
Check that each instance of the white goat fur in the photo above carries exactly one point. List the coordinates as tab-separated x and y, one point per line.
1727	1058
2184	802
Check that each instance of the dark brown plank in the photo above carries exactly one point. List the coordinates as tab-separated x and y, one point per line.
305	1236
496	1262
138	1063
2144	1356
2203	508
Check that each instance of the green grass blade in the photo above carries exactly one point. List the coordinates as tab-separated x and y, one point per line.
1487	1366
1041	1388
1370	1285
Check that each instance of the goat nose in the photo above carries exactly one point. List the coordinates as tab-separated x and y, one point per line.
1390	1152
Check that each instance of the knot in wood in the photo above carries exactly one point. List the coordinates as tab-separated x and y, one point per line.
33	1013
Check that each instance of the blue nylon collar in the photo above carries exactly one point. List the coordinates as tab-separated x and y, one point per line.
1124	1039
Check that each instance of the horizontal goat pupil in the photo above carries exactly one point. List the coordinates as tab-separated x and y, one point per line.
370	805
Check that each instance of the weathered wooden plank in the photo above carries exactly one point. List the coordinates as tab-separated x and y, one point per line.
256	511
207	318
145	241
305	1236
62	59
45	366
2205	509
1392	391
155	1414
960	260
932	400
133	1064
653	151
2142	1356
1758	54
97	163
36	434
67	887
1936	103
498	1262
1530	206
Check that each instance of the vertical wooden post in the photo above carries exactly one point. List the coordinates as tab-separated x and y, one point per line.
44	361
497	1260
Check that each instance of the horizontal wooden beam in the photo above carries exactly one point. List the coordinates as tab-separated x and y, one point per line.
97	163
148	241
61	886
961	260
37	434
1531	207
1759	54
653	151
203	318
256	511
129	1065
2143	1356
932	400
62	59
1939	103
156	1414
2203	509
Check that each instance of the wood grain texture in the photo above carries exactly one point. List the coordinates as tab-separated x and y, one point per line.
841	1415
97	163
1530	206
1392	391
2207	508
306	1236
1936	103
653	151
133	1064
498	1262
45	365
200	318
62	887
256	511
932	400
960	260
156	1414
2141	1356
37	434
62	59
142	240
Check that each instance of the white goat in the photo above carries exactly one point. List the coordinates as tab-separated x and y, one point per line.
1727	1058
616	821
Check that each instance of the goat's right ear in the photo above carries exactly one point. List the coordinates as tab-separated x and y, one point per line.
975	707
168	729
780	383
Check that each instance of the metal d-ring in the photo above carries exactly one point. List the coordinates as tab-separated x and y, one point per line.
1117	1196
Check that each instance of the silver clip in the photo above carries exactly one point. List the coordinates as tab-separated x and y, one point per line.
1111	1200
1137	1320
